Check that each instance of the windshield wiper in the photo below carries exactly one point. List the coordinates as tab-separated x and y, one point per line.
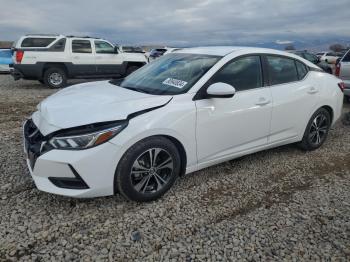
136	89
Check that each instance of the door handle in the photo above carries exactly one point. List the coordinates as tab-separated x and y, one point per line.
262	101
76	57
312	90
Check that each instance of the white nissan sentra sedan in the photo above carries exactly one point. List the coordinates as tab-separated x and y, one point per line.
188	110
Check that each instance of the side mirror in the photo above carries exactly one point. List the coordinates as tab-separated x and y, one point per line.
220	90
116	49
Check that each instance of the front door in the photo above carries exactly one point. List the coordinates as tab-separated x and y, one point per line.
228	126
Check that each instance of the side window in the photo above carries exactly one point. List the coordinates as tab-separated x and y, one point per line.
346	57
37	42
59	46
302	69
281	70
81	46
243	74
103	48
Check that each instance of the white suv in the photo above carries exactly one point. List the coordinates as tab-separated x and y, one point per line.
52	59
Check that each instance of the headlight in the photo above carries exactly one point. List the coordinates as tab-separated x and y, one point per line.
85	141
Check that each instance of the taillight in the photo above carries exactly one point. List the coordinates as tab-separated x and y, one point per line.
341	86
19	56
337	69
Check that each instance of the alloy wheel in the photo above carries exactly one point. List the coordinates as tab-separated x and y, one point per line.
318	129
152	170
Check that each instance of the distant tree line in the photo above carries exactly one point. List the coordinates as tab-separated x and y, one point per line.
337	47
5	44
333	47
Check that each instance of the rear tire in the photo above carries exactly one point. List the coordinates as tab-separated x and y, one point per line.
148	169
317	130
55	77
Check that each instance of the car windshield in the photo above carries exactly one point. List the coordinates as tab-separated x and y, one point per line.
169	75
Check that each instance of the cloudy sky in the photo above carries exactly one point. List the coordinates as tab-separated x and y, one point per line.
179	22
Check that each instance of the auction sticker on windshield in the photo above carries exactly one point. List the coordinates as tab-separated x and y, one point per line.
175	82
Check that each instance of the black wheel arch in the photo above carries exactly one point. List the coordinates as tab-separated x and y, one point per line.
129	64
47	66
330	111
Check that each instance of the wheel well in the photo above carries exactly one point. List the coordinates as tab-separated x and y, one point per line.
330	111
178	145
139	64
182	152
50	65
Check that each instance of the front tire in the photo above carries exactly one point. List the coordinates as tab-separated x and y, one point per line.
148	169
55	77
317	130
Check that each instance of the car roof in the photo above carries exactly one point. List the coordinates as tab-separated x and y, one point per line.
210	50
225	50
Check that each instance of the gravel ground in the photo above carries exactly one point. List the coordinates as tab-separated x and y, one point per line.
280	204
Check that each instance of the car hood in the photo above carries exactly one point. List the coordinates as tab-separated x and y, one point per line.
90	103
134	57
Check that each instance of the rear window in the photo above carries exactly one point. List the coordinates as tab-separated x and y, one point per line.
282	70
312	58
5	53
59	46
81	46
37	42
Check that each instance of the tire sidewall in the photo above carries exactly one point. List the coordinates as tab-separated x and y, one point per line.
51	71
123	176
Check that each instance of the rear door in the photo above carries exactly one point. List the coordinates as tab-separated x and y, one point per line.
293	97
108	61
83	58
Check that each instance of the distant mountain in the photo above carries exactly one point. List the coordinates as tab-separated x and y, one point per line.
311	45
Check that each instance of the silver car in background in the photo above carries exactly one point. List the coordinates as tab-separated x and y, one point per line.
342	70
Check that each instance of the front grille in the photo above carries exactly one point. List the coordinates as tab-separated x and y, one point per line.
34	142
